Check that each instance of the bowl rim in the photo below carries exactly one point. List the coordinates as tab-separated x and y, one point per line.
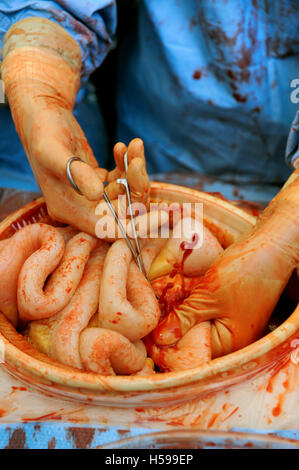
91	381
204	437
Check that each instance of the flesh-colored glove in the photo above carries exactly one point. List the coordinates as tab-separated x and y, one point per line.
239	292
41	73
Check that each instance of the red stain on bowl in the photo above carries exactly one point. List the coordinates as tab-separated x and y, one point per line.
50	416
212	420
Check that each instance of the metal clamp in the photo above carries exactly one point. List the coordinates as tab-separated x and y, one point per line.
69	174
137	254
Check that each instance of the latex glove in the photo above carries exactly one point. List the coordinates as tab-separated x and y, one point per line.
148	219
239	292
41	72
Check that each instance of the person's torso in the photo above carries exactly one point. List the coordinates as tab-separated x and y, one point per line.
206	85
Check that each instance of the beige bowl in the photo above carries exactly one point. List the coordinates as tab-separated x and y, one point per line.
24	362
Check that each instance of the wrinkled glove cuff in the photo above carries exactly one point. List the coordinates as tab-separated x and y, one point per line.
46	35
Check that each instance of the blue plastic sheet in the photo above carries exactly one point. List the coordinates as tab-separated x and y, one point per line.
70	436
205	84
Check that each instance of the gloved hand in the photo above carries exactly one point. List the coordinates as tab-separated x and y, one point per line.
41	73
239	292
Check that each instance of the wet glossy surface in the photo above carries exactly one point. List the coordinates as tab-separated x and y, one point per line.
256	391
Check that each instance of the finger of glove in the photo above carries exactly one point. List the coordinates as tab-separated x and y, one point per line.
147	225
119	151
107	227
114	174
114	189
138	180
119	205
87	180
136	150
102	208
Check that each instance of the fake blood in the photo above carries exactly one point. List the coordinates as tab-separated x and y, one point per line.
188	247
172	296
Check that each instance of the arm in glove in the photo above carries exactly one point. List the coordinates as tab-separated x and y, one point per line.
239	292
41	72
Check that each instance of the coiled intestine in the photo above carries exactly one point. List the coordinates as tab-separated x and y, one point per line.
89	296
